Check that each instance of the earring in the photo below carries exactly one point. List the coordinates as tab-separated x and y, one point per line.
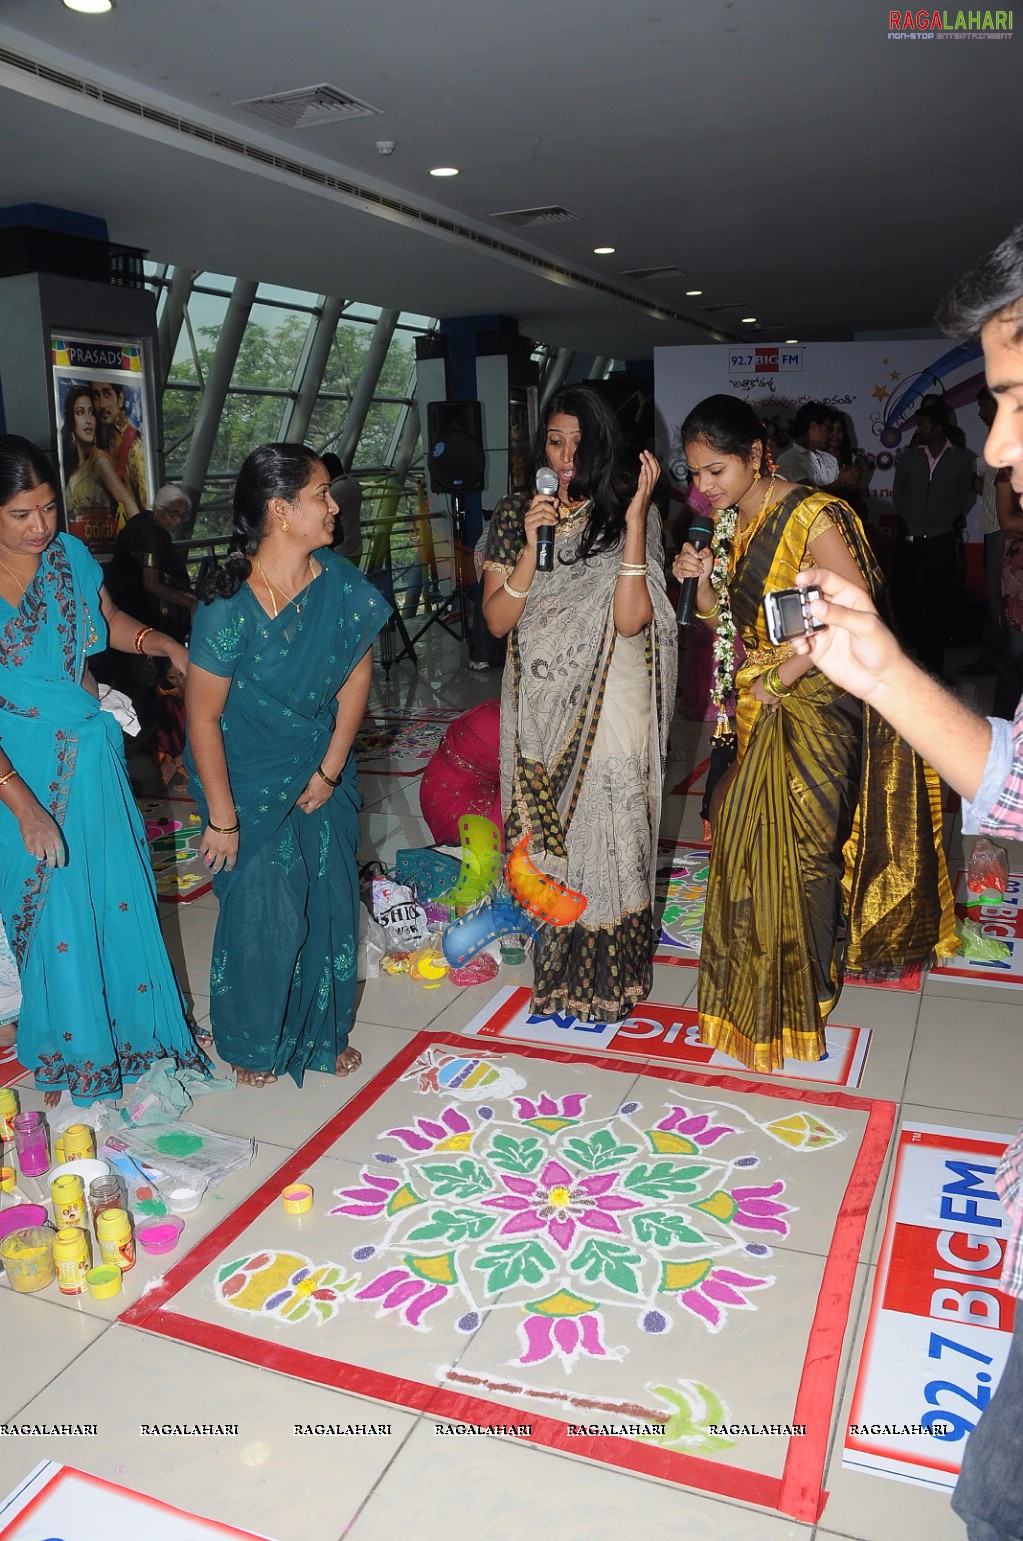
285	525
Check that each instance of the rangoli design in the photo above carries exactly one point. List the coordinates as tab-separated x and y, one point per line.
682	889
174	831
580	1232
413	738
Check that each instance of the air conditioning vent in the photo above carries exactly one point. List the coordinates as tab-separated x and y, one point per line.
642	274
309	107
553	214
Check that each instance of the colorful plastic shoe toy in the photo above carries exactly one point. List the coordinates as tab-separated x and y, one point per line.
541	896
467	936
481	860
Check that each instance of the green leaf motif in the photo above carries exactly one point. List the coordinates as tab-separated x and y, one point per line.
599	1151
459	1180
523	1156
514	1262
693	1408
454	1225
665	1230
662	1179
609	1260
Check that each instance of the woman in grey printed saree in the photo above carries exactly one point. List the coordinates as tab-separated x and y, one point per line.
589	689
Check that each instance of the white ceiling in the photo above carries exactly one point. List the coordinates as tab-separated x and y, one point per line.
789	159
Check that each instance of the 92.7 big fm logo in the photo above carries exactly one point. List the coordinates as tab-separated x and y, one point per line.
766	360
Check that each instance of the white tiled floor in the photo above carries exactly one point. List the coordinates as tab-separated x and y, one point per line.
951	1054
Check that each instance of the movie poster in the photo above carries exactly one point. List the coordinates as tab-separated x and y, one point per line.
105	438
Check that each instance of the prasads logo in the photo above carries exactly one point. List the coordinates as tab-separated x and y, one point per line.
949	25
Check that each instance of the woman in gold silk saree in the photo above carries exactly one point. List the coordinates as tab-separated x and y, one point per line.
830	816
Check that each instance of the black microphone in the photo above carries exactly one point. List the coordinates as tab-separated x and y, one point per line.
701	533
547	485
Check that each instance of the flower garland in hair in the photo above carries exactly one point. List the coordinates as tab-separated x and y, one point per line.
723	682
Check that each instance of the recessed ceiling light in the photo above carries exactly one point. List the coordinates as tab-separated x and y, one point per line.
443	171
790	340
90	7
603	251
692	293
747	320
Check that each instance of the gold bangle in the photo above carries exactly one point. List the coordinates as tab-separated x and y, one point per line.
708	615
515	593
223	829
5	779
140	637
773	684
328	779
628	570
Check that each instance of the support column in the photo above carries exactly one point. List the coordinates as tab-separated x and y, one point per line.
362	396
558	366
215	392
309	374
171	317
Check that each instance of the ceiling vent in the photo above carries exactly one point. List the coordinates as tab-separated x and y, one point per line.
309	107
646	273
553	214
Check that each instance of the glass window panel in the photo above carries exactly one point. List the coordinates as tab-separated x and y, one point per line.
375	442
271	347
245	423
205	313
179	413
299	298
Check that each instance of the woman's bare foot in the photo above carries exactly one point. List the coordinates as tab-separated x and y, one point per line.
253	1077
348	1060
51	1099
8	1035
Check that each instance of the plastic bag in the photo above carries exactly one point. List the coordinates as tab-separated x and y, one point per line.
974	944
398	913
166	1090
988	874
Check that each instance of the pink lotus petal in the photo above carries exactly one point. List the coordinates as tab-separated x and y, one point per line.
597	1220
456	1121
741	1195
716	1289
591	1335
526	1221
411	1138
711	1136
546	1106
696	1303
524	1185
600	1182
427	1299
572	1104
566	1334
360	1211
537	1332
555	1175
750	1222
618	1201
743	1281
506	1201
524	1108
381	1285
435	1131
401	1293
561	1232
762	1207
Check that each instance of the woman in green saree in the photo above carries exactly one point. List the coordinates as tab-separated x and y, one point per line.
278	679
829	810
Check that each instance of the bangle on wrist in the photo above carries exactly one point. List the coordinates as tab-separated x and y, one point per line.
632	570
708	615
328	779
8	776
140	637
774	685
515	593
223	829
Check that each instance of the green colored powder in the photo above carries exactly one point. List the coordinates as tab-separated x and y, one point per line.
178	1144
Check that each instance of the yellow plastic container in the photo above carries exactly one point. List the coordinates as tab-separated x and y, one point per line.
72	1258
104	1281
79	1143
27	1256
116	1242
8	1108
8	1179
68	1195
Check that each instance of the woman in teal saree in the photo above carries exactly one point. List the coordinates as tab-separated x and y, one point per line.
279	675
100	1001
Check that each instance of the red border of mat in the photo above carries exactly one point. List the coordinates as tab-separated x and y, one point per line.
797	1492
66	1473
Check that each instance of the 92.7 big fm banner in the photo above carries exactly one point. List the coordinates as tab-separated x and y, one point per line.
877	386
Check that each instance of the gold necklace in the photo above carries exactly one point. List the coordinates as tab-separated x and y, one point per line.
744	532
22	586
271	585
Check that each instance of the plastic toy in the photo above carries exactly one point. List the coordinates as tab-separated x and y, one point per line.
466	937
481	859
543	897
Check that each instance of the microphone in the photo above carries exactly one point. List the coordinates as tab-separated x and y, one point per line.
701	533
547	485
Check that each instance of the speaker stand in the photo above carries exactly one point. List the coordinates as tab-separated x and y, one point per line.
453	612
